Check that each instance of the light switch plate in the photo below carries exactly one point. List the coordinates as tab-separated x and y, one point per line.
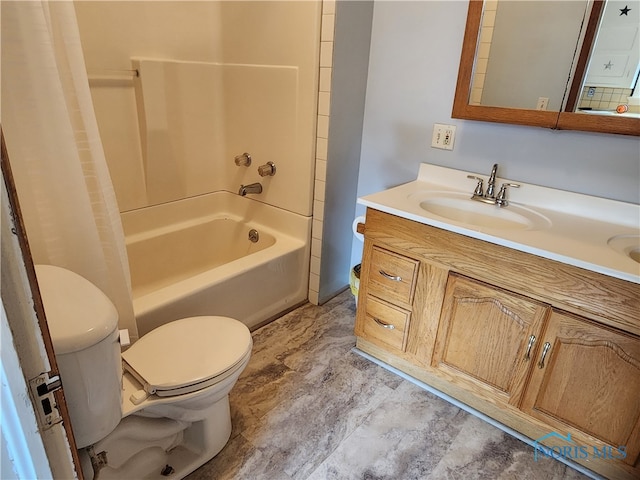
443	136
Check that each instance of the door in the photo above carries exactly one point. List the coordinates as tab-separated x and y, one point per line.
587	377
25	315
487	338
616	54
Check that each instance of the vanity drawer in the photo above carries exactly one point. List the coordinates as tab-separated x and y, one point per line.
392	276
385	324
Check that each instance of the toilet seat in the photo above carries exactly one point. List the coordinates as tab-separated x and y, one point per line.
188	355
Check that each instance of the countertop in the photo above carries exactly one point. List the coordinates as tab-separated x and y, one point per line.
588	232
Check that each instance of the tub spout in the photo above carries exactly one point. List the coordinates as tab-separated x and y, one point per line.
252	188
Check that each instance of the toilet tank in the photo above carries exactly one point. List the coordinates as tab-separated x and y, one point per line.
83	324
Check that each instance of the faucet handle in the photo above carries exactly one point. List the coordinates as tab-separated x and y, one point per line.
269	169
243	160
501	199
479	191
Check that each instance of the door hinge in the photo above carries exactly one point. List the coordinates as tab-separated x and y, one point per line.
42	388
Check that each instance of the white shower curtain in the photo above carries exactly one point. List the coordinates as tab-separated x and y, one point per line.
64	188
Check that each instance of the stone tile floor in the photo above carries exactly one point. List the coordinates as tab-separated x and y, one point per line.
308	407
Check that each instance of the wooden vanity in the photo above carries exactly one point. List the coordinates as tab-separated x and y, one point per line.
539	345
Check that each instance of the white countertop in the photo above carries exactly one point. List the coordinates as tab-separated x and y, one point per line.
576	229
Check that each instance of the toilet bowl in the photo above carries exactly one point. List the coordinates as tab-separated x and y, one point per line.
161	407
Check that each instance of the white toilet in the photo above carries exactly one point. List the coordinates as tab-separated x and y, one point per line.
167	412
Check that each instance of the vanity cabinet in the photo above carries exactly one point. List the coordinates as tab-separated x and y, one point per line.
539	345
588	377
486	338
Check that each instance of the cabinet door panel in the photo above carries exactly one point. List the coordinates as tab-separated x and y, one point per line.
590	381
484	338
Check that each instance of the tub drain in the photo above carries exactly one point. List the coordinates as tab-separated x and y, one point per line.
167	470
254	236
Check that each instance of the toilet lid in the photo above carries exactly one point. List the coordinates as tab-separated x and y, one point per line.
188	354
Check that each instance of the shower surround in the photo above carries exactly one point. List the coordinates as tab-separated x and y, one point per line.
180	89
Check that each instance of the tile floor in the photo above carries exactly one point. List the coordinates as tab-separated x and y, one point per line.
308	407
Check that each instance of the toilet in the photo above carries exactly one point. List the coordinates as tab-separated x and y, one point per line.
159	409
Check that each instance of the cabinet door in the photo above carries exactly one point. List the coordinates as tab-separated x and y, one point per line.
487	338
589	379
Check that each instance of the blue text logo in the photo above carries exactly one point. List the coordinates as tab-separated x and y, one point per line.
574	451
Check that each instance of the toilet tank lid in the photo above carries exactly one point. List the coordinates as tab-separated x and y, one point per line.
79	314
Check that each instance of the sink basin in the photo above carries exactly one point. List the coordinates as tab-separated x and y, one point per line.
628	245
460	208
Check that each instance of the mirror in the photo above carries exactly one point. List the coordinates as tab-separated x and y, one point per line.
505	56
498	53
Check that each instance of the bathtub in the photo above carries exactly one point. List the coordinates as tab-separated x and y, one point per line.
194	257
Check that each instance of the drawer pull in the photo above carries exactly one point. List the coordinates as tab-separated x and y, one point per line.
545	349
383	324
532	340
394	278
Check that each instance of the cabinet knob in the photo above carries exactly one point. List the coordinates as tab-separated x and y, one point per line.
545	349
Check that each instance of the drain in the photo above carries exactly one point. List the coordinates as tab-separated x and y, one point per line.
167	470
254	236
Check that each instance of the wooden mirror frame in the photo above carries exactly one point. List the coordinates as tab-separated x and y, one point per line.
564	120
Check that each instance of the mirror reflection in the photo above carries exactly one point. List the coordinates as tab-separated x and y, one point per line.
535	46
528	44
611	75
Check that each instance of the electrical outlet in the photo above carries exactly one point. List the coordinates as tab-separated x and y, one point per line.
542	103
443	136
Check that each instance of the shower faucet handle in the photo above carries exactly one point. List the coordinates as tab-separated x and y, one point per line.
243	160
267	170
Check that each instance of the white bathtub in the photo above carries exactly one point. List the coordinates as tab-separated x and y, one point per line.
194	257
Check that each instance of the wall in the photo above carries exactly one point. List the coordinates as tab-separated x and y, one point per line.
265	35
352	37
605	98
413	65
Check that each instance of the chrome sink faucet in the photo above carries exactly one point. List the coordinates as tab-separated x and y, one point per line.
491	183
489	196
251	188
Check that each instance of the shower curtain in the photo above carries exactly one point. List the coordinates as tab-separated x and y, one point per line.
65	192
